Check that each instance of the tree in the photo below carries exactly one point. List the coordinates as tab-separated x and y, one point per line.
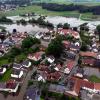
98	30
75	28
28	42
15	51
5	20
55	48
59	25
84	27
84	47
3	30
66	26
23	22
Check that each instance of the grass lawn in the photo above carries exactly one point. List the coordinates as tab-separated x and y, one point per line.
3	61
21	57
6	76
94	79
41	99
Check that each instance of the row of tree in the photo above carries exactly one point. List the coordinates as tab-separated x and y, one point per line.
71	7
39	21
5	20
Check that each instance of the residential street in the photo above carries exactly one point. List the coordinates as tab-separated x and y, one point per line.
72	71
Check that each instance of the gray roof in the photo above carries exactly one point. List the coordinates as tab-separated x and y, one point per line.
32	93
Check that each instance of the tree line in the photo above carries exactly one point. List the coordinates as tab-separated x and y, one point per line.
40	21
71	7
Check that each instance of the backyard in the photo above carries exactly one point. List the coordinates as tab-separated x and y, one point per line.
6	76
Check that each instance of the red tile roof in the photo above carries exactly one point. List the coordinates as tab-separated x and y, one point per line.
53	76
70	64
66	43
79	83
88	54
97	86
89	61
69	31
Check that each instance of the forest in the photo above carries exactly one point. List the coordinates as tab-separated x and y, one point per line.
71	7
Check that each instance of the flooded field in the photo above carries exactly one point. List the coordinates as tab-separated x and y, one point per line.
74	22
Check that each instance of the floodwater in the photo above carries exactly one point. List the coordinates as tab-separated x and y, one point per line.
24	28
74	22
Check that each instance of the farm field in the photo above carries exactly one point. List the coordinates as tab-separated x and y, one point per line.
38	10
88	3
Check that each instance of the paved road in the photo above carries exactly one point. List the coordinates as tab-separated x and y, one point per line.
22	90
72	71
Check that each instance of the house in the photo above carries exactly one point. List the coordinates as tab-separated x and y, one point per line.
40	78
47	36
17	66
70	55
56	88
51	59
2	70
88	61
42	67
76	84
36	56
66	44
75	47
79	73
39	35
4	48
58	67
69	32
69	66
17	74
88	54
97	63
73	87
10	86
55	76
26	64
32	93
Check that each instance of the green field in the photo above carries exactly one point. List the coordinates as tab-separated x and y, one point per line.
38	10
89	3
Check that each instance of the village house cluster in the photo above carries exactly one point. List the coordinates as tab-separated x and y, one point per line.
68	71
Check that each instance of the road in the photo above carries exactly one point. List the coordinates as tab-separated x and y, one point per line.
72	71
